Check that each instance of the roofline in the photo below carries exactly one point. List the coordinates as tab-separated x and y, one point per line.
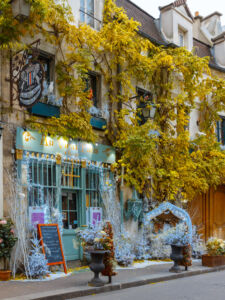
202	43
173	5
216	67
166	6
212	14
134	4
142	33
220	36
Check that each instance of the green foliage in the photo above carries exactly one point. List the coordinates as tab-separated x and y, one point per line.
7	240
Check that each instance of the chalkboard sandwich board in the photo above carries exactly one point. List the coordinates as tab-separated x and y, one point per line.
52	244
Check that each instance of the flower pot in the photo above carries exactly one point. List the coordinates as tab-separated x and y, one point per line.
97	266
5	275
177	256
213	260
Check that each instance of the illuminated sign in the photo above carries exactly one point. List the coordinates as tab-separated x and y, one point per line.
35	142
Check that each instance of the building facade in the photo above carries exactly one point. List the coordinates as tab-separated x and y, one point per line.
62	180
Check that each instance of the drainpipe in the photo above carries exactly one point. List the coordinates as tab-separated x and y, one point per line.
121	199
122	170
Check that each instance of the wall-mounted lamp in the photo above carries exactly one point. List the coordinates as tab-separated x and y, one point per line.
149	111
20	9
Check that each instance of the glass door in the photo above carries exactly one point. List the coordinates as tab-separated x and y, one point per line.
70	216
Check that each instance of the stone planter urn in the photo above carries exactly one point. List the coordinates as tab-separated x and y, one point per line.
176	255
97	266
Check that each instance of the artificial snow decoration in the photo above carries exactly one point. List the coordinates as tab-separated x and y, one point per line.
37	261
177	235
176	211
124	249
198	246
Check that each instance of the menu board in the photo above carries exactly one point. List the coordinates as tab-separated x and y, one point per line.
51	244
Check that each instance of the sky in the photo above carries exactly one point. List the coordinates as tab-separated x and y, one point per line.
205	7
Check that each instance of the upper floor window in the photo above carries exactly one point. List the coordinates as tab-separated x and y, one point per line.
181	38
220	127
47	62
144	99
87	10
93	82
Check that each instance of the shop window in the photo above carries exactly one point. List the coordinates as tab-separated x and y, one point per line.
93	197
221	131
144	98
93	85
87	10
42	181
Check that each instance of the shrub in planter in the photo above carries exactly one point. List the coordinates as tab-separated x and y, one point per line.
7	242
215	253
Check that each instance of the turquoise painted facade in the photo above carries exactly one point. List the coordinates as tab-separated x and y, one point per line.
63	176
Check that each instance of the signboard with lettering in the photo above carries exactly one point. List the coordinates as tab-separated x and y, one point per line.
36	216
51	244
35	142
94	216
30	83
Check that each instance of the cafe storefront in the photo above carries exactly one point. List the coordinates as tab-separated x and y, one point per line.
62	180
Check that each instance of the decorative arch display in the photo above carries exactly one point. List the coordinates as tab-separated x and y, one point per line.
176	211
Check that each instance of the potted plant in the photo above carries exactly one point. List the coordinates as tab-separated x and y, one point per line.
7	242
178	238
215	255
97	243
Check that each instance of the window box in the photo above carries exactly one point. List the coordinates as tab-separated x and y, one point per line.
45	110
98	123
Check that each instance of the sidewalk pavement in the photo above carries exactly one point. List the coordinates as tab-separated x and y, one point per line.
76	285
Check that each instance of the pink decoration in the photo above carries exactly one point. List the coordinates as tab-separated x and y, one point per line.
37	218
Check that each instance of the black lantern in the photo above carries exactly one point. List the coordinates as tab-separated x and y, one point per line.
20	9
148	111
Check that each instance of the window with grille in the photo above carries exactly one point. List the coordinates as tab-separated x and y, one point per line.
42	188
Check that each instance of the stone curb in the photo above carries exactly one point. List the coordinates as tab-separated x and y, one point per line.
74	293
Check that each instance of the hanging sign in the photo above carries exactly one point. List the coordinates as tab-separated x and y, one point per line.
51	244
30	83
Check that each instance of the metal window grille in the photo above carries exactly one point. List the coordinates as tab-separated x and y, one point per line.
93	194
42	188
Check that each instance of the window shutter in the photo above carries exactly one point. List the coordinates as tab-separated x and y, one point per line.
223	132
218	130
